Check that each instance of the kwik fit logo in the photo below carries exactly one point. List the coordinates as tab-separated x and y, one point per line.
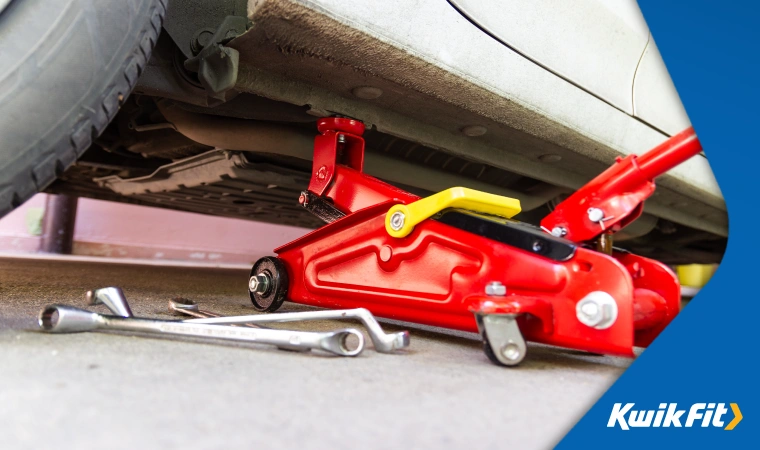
668	415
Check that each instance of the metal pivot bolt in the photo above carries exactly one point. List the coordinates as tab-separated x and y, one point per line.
496	289
595	215
559	231
397	220
597	310
259	284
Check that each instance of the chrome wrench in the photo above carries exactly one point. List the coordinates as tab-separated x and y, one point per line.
190	308
68	319
383	342
112	297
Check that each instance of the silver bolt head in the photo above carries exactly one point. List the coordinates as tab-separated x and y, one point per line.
397	220
496	289
559	231
258	284
595	215
342	138
590	309
597	310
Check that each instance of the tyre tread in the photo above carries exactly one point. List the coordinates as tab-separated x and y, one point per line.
93	119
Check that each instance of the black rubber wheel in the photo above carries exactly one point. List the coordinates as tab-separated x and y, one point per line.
65	69
277	292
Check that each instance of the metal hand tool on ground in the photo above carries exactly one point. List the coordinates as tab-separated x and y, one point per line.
112	297
190	308
68	319
383	342
115	300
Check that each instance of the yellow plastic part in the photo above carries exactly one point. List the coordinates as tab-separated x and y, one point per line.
456	197
695	275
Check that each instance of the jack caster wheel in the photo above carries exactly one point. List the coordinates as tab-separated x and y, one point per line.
501	333
511	354
268	284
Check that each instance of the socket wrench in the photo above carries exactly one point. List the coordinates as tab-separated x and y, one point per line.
68	319
383	342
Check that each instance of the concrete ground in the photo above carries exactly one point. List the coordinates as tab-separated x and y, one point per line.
111	391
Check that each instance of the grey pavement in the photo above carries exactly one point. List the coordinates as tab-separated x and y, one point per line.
97	390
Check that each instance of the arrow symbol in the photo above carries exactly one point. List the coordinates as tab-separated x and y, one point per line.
737	417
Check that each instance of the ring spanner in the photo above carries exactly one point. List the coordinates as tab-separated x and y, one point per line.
383	342
67	319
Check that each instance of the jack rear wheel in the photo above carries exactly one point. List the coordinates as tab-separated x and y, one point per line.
268	284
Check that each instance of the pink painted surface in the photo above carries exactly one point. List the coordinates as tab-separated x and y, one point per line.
131	231
14	236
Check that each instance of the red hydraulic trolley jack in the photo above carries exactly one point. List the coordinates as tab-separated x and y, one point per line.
457	260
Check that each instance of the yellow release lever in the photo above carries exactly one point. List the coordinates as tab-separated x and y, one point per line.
401	219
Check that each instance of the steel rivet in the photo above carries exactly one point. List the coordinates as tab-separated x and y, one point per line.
595	215
397	220
559	231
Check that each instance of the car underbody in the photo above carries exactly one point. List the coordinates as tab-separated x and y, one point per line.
232	135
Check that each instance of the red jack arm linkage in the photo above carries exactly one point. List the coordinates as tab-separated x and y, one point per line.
616	197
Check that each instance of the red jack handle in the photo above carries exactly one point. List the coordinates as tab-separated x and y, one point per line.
669	154
616	197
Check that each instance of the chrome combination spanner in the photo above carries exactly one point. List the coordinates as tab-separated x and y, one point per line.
66	319
383	342
113	298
